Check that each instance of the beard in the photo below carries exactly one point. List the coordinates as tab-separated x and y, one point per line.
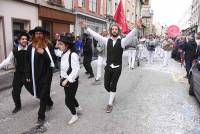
115	34
39	42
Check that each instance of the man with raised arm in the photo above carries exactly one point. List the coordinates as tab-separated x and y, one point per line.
114	45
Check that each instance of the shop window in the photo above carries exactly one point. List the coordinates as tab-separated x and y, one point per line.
47	25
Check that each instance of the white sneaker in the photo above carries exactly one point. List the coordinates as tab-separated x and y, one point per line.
73	119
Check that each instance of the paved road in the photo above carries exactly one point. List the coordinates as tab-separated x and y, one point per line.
151	99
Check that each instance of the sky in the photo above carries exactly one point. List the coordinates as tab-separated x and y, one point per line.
169	12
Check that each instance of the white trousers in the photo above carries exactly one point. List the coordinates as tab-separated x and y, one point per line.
99	66
158	50
162	53
140	53
151	57
167	55
131	58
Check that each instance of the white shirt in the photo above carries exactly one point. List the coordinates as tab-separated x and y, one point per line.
10	59
131	37
64	66
124	42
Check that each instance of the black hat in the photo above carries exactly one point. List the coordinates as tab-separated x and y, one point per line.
39	29
23	33
67	40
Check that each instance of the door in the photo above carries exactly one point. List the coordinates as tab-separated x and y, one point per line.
60	28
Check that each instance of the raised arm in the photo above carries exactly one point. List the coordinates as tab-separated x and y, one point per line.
131	37
97	36
8	61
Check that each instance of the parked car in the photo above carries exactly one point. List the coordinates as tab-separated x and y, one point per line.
194	80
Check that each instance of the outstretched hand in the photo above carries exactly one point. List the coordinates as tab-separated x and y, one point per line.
83	24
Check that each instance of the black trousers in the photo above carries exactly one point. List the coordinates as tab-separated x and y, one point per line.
111	77
18	81
188	65
70	100
45	99
87	64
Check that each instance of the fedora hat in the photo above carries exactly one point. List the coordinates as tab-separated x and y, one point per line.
66	40
39	29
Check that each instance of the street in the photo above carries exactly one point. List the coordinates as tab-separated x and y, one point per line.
151	99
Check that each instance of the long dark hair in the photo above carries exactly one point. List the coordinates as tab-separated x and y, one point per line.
71	47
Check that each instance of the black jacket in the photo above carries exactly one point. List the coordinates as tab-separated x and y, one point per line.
190	50
42	69
87	48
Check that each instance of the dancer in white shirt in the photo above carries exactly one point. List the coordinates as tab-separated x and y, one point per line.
18	57
69	71
115	46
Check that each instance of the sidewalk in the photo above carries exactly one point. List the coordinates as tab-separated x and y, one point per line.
6	78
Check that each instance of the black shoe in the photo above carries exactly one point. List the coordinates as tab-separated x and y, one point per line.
16	109
87	73
48	108
91	76
40	122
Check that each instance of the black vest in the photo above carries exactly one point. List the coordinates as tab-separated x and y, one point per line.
114	54
20	60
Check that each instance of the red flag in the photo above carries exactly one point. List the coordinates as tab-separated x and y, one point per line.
120	18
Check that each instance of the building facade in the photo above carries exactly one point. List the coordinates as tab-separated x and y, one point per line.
23	16
194	20
56	16
91	11
147	17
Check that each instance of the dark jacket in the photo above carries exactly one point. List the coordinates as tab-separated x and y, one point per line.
190	49
87	48
42	69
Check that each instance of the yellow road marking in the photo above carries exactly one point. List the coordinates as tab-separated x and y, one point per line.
174	77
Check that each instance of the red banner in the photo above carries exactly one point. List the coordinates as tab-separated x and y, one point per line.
120	18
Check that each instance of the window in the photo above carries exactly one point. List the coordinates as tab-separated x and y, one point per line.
47	25
56	2
93	5
67	4
81	3
116	4
109	7
101	8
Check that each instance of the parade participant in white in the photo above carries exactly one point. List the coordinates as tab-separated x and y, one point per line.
132	52
101	56
115	46
69	72
167	47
